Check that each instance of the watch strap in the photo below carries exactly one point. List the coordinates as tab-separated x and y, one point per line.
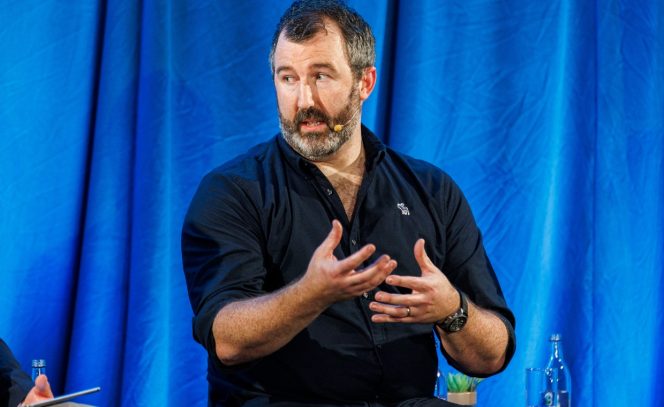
455	321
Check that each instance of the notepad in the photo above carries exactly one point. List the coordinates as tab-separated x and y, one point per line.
63	398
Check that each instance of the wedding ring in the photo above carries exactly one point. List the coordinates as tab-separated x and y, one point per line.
407	311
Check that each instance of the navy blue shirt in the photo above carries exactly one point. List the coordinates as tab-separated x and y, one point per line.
15	384
251	229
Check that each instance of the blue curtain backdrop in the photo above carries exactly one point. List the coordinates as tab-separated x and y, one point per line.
549	114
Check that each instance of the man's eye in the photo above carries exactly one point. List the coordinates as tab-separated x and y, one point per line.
321	76
288	79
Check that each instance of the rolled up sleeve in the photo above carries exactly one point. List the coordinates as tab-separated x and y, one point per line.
467	265
222	253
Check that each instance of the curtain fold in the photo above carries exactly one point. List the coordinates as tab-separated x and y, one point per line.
549	115
629	206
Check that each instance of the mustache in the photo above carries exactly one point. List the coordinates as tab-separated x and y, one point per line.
310	113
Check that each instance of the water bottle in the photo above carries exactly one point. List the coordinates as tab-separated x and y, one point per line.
440	388
560	379
38	367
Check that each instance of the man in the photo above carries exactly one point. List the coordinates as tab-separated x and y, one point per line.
321	264
16	387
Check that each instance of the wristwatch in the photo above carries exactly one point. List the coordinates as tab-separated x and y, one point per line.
457	320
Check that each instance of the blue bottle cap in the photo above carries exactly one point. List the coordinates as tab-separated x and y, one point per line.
38	363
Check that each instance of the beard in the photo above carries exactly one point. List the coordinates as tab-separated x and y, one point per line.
316	146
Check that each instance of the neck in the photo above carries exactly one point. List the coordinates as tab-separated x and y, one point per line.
349	158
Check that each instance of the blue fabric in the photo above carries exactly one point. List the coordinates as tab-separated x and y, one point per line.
550	116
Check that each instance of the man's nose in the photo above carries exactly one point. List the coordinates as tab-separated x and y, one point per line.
305	98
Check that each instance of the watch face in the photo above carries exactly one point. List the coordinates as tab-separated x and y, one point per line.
457	323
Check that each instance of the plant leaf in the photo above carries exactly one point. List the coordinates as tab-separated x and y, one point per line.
459	383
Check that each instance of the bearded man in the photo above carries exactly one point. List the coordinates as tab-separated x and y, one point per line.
322	264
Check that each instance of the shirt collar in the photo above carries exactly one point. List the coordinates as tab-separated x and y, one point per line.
373	148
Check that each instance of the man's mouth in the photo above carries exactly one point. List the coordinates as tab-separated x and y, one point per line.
312	124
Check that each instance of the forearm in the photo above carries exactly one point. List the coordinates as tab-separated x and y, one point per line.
249	329
481	347
246	330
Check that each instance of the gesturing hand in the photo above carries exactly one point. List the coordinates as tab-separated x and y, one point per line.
432	297
333	280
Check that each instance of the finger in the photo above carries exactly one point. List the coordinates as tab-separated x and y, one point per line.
400	300
372	276
411	282
355	260
422	258
397	311
332	240
42	387
384	318
378	263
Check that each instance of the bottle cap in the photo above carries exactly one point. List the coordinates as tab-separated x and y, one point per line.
38	363
555	338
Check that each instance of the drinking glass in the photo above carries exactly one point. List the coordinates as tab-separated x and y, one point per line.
538	388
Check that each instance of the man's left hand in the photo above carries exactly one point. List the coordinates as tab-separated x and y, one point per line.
432	298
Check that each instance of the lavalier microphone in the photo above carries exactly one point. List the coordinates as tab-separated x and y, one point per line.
338	127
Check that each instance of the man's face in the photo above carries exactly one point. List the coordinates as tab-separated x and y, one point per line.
315	91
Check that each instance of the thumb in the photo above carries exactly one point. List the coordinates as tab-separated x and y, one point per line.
426	265
42	387
332	240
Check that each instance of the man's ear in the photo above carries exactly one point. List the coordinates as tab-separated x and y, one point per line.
367	82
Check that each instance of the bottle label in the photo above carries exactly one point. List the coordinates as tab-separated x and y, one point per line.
563	399
548	398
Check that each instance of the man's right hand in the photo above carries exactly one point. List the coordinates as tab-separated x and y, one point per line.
336	280
250	329
40	392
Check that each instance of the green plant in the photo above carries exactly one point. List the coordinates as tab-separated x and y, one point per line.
460	383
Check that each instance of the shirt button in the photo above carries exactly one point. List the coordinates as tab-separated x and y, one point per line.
329	191
353	242
365	295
